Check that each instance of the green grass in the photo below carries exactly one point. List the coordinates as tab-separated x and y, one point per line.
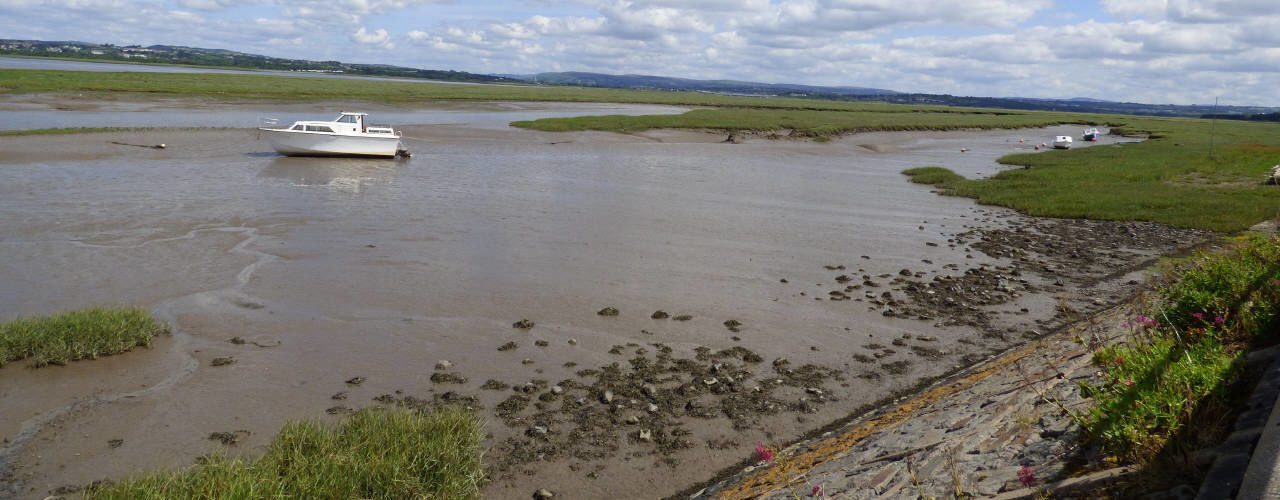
1171	178
288	88
812	122
1173	377
75	335
376	453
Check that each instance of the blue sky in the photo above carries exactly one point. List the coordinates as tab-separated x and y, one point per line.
1156	51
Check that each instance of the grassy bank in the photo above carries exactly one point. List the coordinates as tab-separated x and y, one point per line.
75	335
301	89
376	453
811	123
1176	177
1174	376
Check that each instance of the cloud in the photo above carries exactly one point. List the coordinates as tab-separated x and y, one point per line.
1148	50
378	38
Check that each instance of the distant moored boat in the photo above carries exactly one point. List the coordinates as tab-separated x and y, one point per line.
1062	142
1092	135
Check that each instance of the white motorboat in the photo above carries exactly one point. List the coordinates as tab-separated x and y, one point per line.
347	135
1062	142
1092	135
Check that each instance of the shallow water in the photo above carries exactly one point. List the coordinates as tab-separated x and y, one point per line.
24	113
379	268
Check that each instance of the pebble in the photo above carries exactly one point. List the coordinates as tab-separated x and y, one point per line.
223	361
573	341
555	389
606	397
444	364
645	435
543	494
355	381
608	311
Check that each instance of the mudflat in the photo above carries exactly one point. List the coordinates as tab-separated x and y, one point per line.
686	298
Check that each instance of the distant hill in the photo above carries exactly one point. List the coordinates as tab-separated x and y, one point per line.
718	86
733	87
221	58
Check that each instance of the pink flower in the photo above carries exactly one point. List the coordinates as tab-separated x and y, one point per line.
817	490
764	453
1027	476
1198	315
1219	320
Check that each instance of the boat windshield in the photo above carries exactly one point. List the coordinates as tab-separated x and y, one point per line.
346	119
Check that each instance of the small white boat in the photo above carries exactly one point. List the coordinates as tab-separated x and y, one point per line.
347	135
1062	142
1092	135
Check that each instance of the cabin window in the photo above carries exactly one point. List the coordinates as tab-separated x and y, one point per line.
297	127
347	119
318	128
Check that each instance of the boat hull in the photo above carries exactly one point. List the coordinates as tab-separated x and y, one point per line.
298	143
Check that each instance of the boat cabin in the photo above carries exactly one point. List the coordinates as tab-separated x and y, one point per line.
345	124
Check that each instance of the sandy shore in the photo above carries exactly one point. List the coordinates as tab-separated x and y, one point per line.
817	282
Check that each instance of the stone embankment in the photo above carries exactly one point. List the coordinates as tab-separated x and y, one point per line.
1001	429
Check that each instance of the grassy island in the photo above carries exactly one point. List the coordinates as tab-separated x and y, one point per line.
75	335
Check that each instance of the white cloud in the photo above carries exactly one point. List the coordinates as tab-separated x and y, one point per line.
1149	50
378	38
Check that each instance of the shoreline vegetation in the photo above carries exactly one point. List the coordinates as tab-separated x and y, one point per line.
373	453
1176	383
76	335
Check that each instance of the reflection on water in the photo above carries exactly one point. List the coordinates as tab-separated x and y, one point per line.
351	175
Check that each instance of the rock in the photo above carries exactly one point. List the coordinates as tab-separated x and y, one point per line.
608	311
444	364
649	391
236	340
813	390
732	324
543	494
508	346
557	390
660	314
223	361
606	397
653	408
523	324
645	435
573	341
536	431
355	381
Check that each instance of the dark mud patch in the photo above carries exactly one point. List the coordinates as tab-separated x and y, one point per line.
230	438
648	402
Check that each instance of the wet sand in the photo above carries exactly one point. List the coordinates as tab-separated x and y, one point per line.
331	269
